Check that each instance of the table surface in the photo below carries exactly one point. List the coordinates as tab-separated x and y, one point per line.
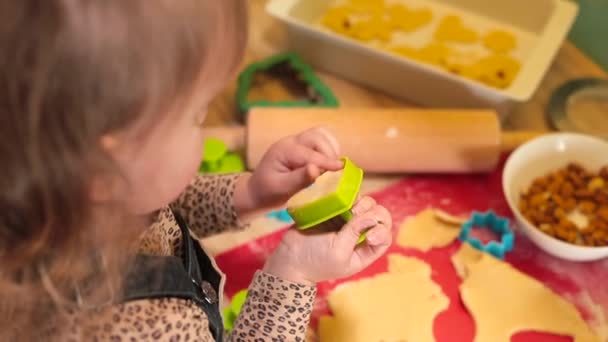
267	36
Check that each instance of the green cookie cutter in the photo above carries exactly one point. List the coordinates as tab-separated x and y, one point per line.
298	69
335	204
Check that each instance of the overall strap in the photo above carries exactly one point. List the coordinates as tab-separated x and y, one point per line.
191	277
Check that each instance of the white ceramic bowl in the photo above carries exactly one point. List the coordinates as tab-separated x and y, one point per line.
539	157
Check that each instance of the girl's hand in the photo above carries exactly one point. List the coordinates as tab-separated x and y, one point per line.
289	166
314	255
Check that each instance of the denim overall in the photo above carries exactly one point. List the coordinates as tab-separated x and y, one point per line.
191	277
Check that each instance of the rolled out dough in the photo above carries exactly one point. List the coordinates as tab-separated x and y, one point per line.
397	306
430	228
504	301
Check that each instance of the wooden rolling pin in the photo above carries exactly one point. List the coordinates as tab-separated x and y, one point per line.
386	140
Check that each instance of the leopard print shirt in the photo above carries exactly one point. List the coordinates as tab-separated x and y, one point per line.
275	310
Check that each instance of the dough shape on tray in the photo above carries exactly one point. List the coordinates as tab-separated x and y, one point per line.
398	305
504	301
429	229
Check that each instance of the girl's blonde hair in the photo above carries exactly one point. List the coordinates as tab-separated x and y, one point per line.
71	72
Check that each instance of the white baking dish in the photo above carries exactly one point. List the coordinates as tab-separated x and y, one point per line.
539	25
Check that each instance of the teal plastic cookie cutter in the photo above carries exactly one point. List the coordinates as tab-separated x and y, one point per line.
232	311
498	225
217	158
285	65
281	215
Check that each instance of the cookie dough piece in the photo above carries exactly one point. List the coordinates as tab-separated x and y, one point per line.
452	29
499	41
498	70
504	301
435	53
408	20
399	305
429	229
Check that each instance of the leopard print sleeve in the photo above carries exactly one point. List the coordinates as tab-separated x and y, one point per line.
207	204
167	319
275	310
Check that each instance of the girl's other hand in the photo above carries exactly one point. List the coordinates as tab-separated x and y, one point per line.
316	255
291	165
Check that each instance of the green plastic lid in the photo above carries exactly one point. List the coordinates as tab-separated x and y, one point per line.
230	163
210	167
229	318
333	194
232	311
214	150
217	159
238	300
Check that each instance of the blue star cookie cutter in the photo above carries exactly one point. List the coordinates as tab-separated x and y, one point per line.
496	224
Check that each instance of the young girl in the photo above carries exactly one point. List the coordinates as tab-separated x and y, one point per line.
101	104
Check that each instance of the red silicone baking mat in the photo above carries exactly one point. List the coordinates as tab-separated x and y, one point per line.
585	284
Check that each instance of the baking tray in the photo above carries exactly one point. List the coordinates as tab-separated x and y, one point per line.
540	27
